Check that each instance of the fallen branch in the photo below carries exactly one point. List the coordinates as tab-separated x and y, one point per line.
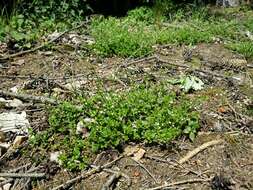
119	173
44	44
142	166
188	67
5	182
135	61
161	160
195	151
85	175
23	175
180	183
37	77
110	181
27	97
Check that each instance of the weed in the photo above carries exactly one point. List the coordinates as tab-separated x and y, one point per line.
121	37
245	48
150	115
135	34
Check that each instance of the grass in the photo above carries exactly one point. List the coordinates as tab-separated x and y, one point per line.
244	48
143	114
136	34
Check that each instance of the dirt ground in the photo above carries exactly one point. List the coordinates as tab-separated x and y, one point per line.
228	84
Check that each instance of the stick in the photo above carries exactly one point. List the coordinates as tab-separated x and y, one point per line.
6	181
117	175
195	151
85	175
43	44
19	168
188	67
110	181
135	61
180	183
27	97
37	77
149	173
161	160
23	175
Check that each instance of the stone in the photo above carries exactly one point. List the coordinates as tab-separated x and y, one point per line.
15	103
7	186
14	122
54	157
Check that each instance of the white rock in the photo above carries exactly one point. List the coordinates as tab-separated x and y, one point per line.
14	89
14	122
15	103
54	157
7	186
75	85
11	103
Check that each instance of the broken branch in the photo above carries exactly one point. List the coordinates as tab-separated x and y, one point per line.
23	175
27	97
85	175
44	44
195	151
188	67
180	183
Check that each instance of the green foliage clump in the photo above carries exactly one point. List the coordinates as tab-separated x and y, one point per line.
150	115
244	48
29	20
124	39
135	34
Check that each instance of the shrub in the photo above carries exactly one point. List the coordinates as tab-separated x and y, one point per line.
150	115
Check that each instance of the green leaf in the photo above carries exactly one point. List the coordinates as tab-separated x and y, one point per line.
192	136
192	83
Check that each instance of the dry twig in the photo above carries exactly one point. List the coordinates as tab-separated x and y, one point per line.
119	173
161	160
142	166
27	97
180	183
23	175
85	175
43	44
110	181
188	67
195	151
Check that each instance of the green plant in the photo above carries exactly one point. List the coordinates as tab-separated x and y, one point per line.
245	48
188	83
121	37
150	115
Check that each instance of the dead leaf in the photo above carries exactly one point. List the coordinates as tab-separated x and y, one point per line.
136	173
221	110
130	150
139	154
